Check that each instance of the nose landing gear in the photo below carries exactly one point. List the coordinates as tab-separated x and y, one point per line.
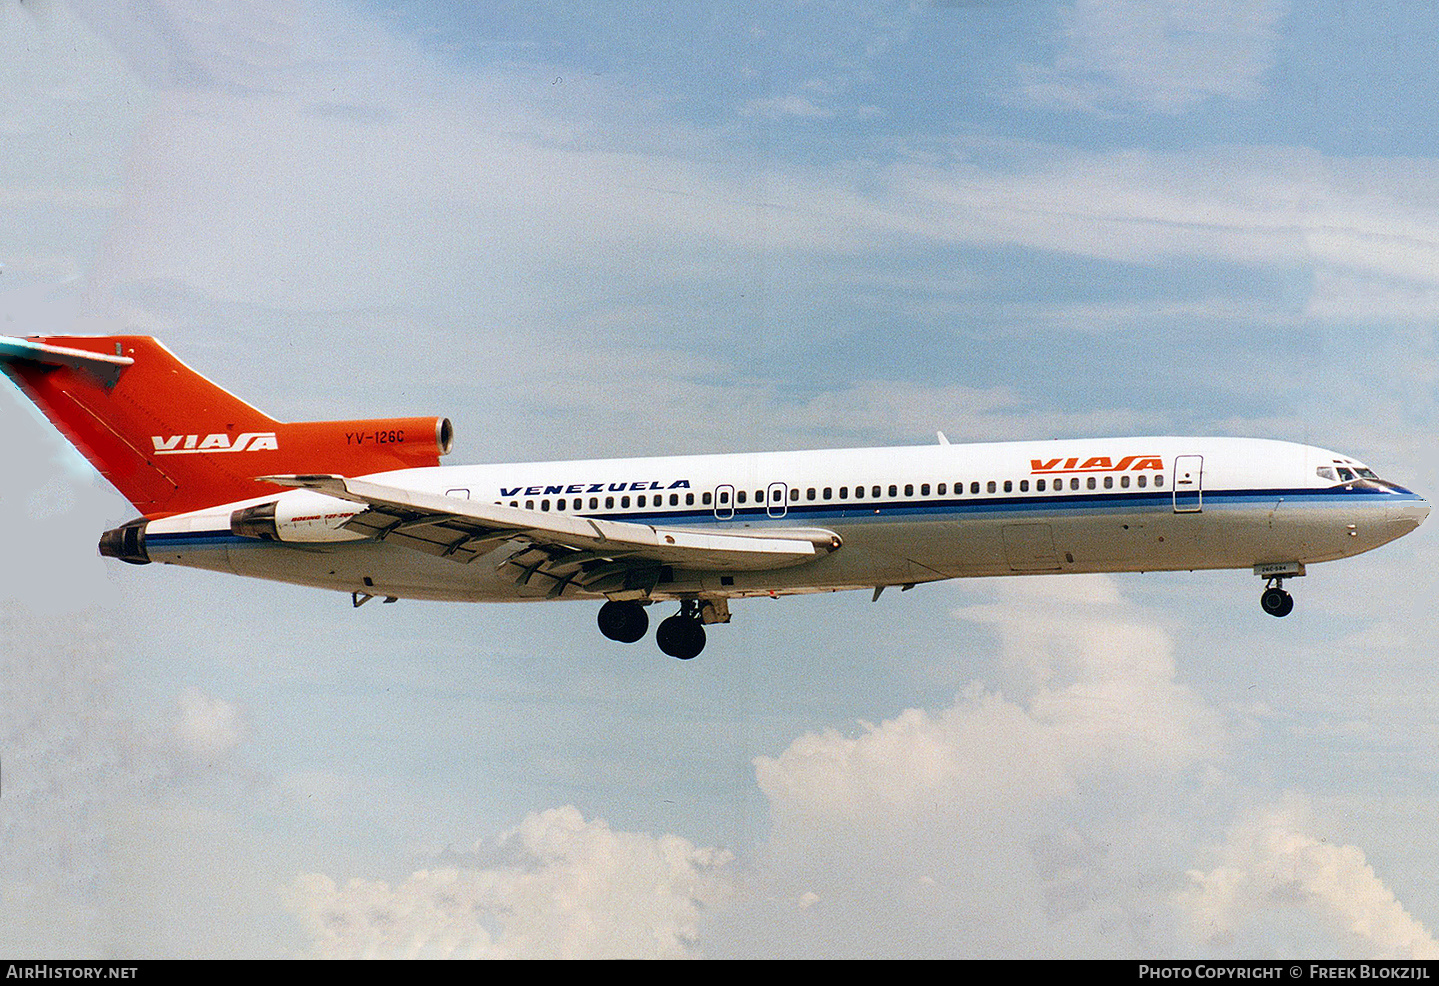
1274	600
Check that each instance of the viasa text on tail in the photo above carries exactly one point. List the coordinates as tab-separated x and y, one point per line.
364	506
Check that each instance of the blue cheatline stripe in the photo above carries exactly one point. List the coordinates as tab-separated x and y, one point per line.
879	511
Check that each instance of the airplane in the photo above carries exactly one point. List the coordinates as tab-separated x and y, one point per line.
364	506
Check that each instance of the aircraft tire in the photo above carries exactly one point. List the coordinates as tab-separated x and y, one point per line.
1276	602
682	637
625	622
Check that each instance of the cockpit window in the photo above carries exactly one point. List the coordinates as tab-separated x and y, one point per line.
1365	473
1327	472
1345	474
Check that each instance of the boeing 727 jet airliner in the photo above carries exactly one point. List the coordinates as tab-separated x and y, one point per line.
364	506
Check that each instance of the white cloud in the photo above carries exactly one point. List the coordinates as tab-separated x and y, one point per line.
1157	55
777	107
206	727
1272	870
556	886
1030	822
1101	677
1062	817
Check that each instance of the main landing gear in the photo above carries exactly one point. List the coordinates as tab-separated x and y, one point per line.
625	622
681	636
1274	600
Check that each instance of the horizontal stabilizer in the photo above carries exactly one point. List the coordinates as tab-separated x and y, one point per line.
105	368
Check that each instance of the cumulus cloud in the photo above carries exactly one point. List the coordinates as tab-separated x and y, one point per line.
556	886
1272	870
1063	815
983	823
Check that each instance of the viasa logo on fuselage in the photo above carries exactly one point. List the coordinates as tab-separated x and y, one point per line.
1096	463
250	441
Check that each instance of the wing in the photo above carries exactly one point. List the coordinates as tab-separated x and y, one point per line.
608	556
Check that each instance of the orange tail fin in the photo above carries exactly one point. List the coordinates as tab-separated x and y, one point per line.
170	440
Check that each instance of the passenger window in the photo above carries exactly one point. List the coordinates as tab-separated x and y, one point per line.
939	490
991	486
689	499
624	503
740	496
844	492
594	503
1159	479
894	491
1124	482
828	493
794	494
1143	481
1039	485
924	489
545	505
724	497
974	487
859	492
1109	482
809	494
1024	486
529	504
1091	483
609	503
705	498
909	489
1073	483
1009	486
874	491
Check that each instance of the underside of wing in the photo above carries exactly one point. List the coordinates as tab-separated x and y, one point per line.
590	553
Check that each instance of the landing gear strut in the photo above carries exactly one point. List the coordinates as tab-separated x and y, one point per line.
625	622
1275	601
682	635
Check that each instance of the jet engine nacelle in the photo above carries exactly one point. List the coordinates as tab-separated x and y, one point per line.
300	516
354	447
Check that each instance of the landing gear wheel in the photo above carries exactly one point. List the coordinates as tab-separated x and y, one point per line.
681	636
625	622
1276	602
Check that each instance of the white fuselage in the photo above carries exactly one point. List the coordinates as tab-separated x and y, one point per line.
903	515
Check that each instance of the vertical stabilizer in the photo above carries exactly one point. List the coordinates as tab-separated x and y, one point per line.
171	441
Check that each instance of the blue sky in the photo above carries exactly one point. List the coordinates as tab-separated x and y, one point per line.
610	229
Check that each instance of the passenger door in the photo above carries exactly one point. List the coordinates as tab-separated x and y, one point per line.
1188	484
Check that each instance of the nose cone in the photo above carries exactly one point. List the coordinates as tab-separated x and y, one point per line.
1409	514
